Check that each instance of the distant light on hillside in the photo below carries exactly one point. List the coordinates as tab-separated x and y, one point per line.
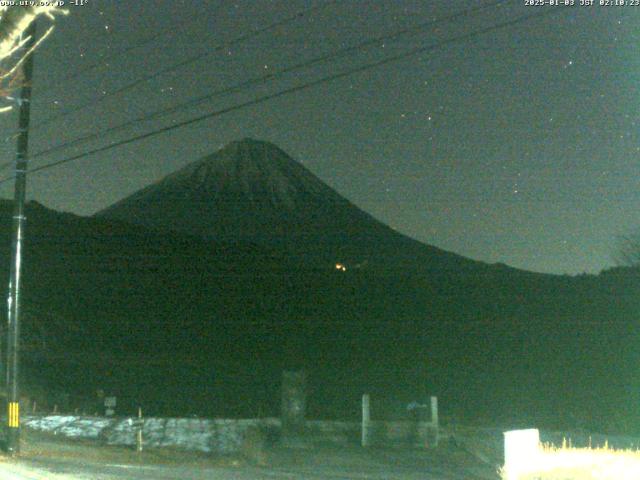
341	267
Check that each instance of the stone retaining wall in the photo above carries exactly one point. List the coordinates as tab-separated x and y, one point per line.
217	435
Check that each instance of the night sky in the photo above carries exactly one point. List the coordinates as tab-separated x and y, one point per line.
519	145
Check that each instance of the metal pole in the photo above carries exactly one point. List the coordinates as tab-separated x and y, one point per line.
13	323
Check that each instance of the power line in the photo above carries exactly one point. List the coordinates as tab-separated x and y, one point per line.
169	32
182	63
305	86
267	77
173	30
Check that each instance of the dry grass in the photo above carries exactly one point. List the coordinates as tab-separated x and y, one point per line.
568	463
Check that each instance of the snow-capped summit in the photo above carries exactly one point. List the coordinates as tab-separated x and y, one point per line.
252	191
249	190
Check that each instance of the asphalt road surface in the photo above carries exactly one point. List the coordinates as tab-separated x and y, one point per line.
34	470
47	457
382	465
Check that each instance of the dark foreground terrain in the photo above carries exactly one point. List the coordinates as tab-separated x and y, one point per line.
289	275
49	457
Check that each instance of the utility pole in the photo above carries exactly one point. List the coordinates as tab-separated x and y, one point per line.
13	323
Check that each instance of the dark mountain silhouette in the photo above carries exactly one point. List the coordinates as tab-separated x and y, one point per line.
251	191
196	322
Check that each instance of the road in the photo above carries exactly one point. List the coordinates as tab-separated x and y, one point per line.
66	470
386	466
36	471
50	457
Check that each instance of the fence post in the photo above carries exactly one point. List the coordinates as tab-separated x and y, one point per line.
366	419
434	420
293	406
139	426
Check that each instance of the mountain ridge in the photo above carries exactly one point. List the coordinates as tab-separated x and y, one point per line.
253	191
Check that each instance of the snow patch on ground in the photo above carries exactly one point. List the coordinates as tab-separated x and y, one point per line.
205	435
220	435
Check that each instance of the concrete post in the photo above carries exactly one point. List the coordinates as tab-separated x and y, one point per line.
294	403
139	427
434	420
366	420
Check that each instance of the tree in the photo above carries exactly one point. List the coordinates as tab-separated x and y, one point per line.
628	252
14	22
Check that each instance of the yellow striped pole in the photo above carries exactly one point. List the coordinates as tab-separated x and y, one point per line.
14	415
13	300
